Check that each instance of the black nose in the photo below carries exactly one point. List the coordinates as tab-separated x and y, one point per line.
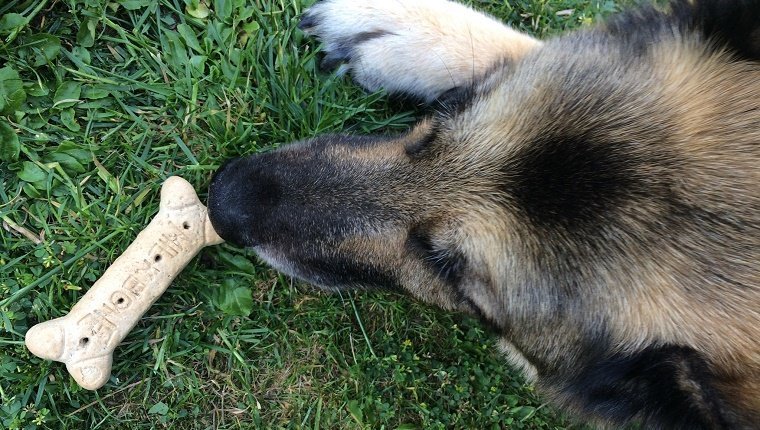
241	199
224	209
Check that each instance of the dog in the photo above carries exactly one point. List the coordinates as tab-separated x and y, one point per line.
594	199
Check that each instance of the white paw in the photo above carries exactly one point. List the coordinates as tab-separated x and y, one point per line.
421	48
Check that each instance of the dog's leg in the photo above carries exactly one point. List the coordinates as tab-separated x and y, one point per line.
417	48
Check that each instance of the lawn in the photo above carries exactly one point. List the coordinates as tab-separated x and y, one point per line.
100	101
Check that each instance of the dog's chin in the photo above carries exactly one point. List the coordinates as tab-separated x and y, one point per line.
283	265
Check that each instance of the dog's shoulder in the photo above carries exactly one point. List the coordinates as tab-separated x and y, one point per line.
732	25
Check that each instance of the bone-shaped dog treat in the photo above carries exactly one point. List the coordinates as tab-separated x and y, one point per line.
86	337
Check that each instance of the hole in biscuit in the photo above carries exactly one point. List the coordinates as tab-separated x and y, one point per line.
157	258
186	225
120	301
84	341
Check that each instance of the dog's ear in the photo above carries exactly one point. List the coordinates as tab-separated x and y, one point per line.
734	24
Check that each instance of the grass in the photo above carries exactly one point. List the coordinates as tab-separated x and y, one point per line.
100	101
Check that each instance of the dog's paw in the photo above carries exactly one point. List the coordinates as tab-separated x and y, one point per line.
420	48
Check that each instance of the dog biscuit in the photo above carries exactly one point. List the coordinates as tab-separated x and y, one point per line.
86	337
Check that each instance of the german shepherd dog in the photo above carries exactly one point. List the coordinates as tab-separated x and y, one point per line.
594	198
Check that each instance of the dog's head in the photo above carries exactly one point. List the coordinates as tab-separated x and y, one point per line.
345	211
531	157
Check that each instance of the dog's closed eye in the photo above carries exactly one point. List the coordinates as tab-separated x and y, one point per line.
447	264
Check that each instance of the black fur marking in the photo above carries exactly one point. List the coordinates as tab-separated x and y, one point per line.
734	24
308	20
330	61
417	149
366	36
454	100
569	181
662	387
345	49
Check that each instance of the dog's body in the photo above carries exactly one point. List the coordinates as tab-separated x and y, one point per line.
595	199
